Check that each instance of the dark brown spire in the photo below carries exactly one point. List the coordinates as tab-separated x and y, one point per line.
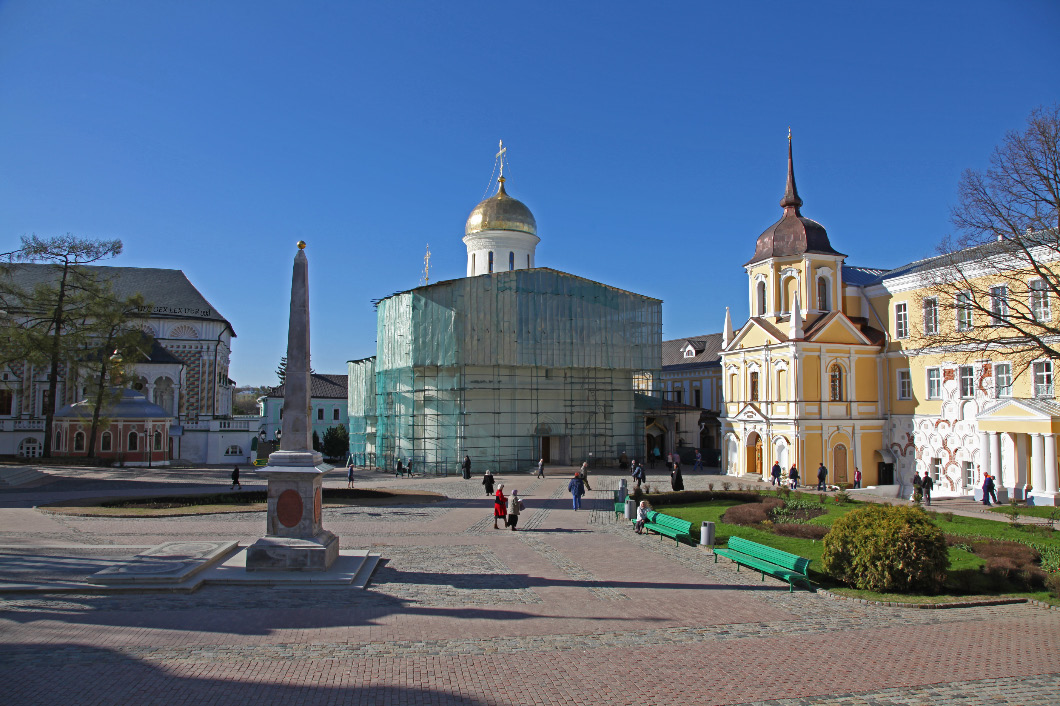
791	198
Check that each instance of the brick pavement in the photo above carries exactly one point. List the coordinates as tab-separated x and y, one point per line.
573	609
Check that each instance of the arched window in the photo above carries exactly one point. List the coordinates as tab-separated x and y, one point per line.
822	294
791	285
528	261
79	441
133	441
473	264
761	298
491	262
58	439
234	450
158	441
754	387
104	441
511	261
835	375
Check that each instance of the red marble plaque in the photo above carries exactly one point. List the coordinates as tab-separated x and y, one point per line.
289	508
316	506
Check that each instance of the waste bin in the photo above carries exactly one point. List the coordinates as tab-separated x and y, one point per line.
706	535
631	508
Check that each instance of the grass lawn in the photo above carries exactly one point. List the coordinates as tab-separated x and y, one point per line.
1032	511
965	577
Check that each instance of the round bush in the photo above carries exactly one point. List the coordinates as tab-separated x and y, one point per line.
886	548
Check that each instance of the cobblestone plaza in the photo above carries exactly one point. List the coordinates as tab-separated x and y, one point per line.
572	609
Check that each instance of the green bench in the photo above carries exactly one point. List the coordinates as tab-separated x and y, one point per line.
767	560
680	530
620	508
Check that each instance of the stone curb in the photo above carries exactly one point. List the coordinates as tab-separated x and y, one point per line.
1042	604
934	606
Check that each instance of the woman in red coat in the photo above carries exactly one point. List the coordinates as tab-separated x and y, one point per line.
500	507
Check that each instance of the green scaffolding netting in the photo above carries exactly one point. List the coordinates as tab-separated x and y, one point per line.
505	368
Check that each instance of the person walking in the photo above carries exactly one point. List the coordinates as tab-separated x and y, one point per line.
487	481
822	474
500	506
656	456
465	467
541	468
399	469
917	489
925	487
677	482
349	476
642	517
857	477
699	461
585	475
669	461
577	490
235	479
775	474
988	489
515	506
793	477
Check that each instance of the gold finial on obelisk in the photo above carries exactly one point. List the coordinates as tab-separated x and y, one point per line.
427	265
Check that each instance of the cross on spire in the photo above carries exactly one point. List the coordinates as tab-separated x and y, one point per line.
503	151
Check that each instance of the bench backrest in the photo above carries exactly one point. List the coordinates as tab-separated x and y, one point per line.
672	522
773	556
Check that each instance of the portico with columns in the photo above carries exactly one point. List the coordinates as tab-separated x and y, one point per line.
1017	444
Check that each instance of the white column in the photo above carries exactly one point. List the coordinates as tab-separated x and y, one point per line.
1037	463
984	458
995	459
1050	485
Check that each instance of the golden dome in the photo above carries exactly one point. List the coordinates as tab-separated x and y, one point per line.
501	212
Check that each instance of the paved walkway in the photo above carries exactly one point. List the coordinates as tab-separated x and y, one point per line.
573	609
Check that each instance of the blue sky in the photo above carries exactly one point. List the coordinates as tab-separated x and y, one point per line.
649	139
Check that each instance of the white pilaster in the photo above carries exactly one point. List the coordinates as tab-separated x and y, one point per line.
1037	462
1050	484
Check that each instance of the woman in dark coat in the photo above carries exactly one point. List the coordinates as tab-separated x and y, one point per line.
487	481
677	482
500	507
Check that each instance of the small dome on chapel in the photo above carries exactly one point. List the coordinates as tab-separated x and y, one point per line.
501	212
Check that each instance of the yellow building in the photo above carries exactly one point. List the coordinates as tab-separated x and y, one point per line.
848	367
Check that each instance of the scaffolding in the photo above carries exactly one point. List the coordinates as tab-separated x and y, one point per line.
506	368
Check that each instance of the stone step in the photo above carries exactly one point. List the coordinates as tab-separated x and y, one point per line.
169	563
365	571
18	475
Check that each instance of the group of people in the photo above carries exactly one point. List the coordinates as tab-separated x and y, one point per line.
776	472
506	509
924	484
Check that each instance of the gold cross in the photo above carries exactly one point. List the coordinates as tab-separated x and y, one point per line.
501	154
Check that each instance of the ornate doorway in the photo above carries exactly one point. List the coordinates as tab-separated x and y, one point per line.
754	454
839	464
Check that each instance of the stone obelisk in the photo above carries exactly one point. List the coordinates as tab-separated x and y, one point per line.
295	539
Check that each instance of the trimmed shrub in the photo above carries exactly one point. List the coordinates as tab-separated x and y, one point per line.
682	497
800	530
1020	554
752	513
1052	582
887	548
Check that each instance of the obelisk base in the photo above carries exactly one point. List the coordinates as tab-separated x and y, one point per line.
295	540
290	554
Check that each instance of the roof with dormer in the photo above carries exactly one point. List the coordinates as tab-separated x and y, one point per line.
707	349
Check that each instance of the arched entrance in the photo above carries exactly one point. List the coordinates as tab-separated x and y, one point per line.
754	453
30	447
839	464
